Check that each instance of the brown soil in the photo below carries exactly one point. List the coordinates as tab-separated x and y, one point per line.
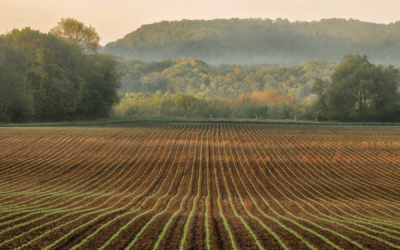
343	179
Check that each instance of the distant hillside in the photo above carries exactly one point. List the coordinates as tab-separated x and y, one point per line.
254	41
189	76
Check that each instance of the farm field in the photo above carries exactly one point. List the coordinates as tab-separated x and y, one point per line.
200	186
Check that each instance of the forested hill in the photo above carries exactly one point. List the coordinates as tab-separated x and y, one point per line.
189	76
253	41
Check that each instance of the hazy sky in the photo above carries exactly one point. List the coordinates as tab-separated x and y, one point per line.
113	19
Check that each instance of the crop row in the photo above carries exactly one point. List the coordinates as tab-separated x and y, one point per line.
235	186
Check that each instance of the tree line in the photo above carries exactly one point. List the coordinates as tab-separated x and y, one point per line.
190	76
354	90
253	41
359	91
56	76
254	105
61	75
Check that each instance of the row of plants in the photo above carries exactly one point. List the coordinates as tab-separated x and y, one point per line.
297	217
309	193
207	210
386	168
196	199
225	181
14	163
333	179
72	178
121	209
55	209
352	180
38	167
301	173
161	236
78	210
125	193
217	184
121	229
303	167
109	212
269	207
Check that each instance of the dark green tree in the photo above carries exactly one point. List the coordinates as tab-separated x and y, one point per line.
362	91
320	106
12	72
53	77
99	93
61	81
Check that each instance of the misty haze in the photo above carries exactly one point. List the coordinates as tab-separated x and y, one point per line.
260	41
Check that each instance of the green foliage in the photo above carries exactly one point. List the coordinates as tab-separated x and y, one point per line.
179	105
75	32
22	107
99	94
52	77
320	106
189	76
259	111
56	81
360	91
253	41
12	72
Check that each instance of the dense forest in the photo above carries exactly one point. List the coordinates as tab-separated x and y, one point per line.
353	90
254	41
189	76
44	77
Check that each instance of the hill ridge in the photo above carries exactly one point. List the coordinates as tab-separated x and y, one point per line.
253	41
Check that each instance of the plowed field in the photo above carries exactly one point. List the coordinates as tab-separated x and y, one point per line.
200	186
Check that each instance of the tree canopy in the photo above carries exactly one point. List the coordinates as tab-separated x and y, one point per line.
360	91
354	90
74	31
54	80
256	105
190	76
12	71
254	41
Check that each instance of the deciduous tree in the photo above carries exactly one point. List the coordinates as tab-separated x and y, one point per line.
74	31
362	91
320	106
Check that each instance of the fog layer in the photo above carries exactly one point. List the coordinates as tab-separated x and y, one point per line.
255	41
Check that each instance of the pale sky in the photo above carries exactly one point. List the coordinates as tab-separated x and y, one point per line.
113	19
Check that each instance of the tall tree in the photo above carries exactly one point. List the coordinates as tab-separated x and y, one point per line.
362	91
74	31
100	91
55	79
320	106
54	72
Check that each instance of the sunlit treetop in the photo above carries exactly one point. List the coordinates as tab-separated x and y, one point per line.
84	38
